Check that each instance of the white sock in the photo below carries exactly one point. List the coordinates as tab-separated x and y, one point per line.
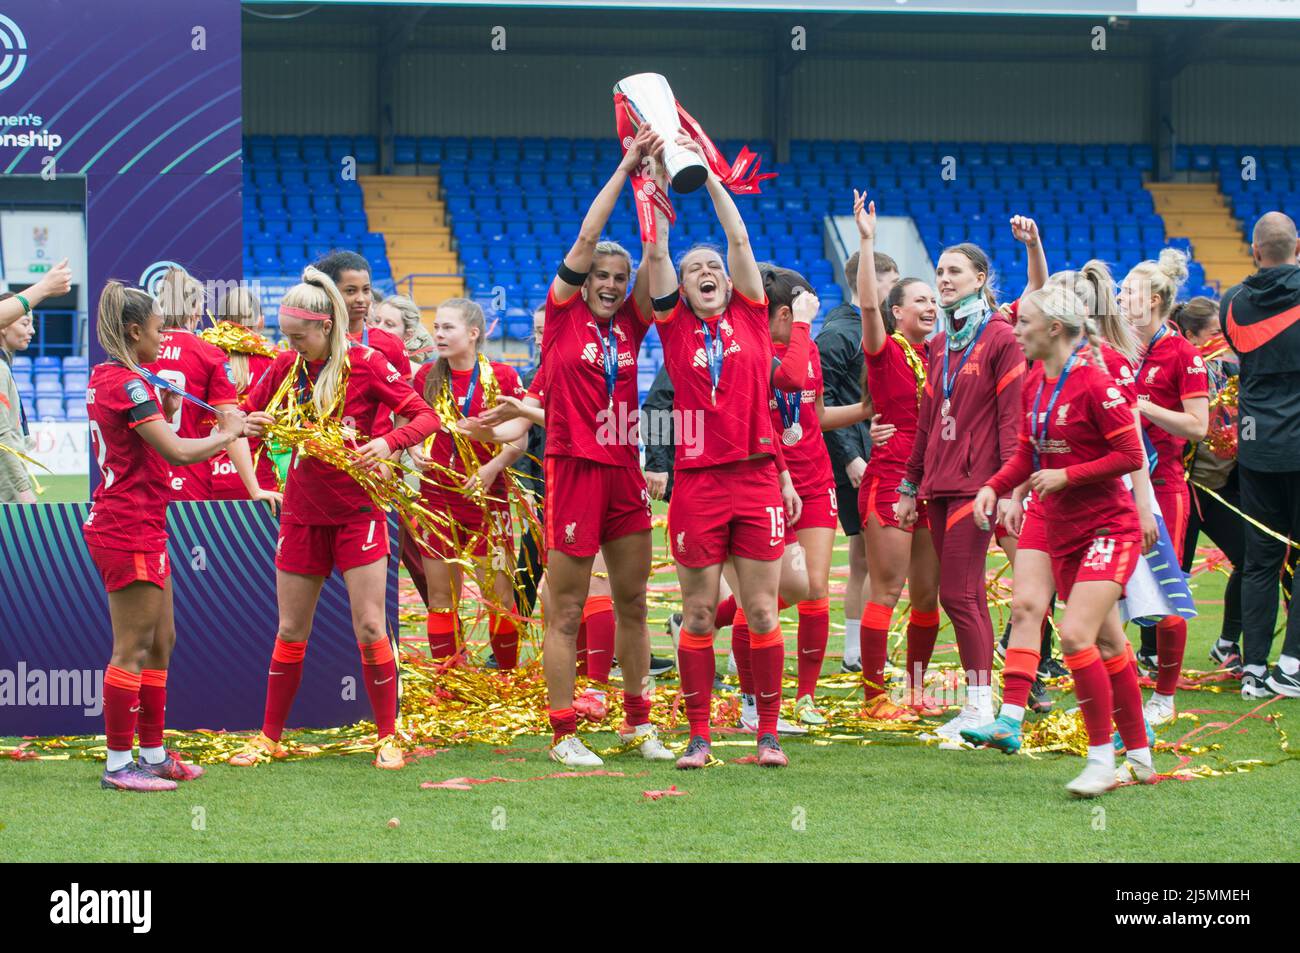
980	697
1257	670
153	755
1288	664
118	759
1166	700
591	691
748	704
1140	755
852	641
1224	644
1103	754
1016	712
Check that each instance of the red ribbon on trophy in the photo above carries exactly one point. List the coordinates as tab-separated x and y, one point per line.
741	177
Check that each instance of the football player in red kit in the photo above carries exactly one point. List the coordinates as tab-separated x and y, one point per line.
328	521
126	532
729	500
198	368
894	343
596	498
1032	586
465	484
1076	441
248	359
966	429
1174	400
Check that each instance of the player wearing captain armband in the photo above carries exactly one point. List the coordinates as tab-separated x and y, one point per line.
327	394
126	531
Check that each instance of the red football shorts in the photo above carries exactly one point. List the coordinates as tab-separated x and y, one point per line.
877	495
120	568
1033	532
1105	559
591	503
318	550
821	510
729	510
470	532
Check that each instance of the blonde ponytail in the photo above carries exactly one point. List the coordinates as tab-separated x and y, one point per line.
120	307
181	299
1095	287
318	293
241	307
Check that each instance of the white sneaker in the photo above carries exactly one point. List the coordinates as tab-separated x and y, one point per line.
1097	778
652	749
971	716
749	719
1132	770
1159	710
572	753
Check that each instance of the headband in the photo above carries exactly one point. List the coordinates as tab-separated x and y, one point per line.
292	312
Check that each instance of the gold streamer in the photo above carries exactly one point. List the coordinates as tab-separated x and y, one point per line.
914	362
237	339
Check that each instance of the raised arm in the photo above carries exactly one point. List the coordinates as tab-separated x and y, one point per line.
873	322
578	261
745	276
57	281
1025	230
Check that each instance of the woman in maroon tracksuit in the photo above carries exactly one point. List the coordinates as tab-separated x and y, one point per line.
967	428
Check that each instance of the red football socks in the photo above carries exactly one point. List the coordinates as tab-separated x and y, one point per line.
874	639
922	631
814	630
379	670
741	650
1018	676
767	656
636	709
504	635
598	616
564	722
1127	698
695	658
282	685
153	705
121	705
1092	689
1171	644
441	627
726	613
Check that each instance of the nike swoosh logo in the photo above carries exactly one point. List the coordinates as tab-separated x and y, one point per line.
769	694
1248	337
367	546
135	709
385	681
689	694
809	652
275	673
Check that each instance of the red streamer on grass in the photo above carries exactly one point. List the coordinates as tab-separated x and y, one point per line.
670	792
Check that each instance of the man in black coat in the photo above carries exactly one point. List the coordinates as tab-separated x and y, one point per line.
1261	320
840	347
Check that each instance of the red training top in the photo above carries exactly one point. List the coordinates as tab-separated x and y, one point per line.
129	509
1171	371
734	428
444	452
570	381
955	458
316	493
1089	434
202	370
808	459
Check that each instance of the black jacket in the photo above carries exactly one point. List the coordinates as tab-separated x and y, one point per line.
1261	320
657	428
531	476
840	347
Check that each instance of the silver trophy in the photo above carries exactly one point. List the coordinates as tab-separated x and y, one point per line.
651	100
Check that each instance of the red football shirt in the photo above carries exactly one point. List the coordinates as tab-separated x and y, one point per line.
571	382
1089	414
391	346
808	460
202	370
129	508
225	481
891	382
315	492
1171	371
735	427
444	452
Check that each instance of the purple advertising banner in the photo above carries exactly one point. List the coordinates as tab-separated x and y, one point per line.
142	99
